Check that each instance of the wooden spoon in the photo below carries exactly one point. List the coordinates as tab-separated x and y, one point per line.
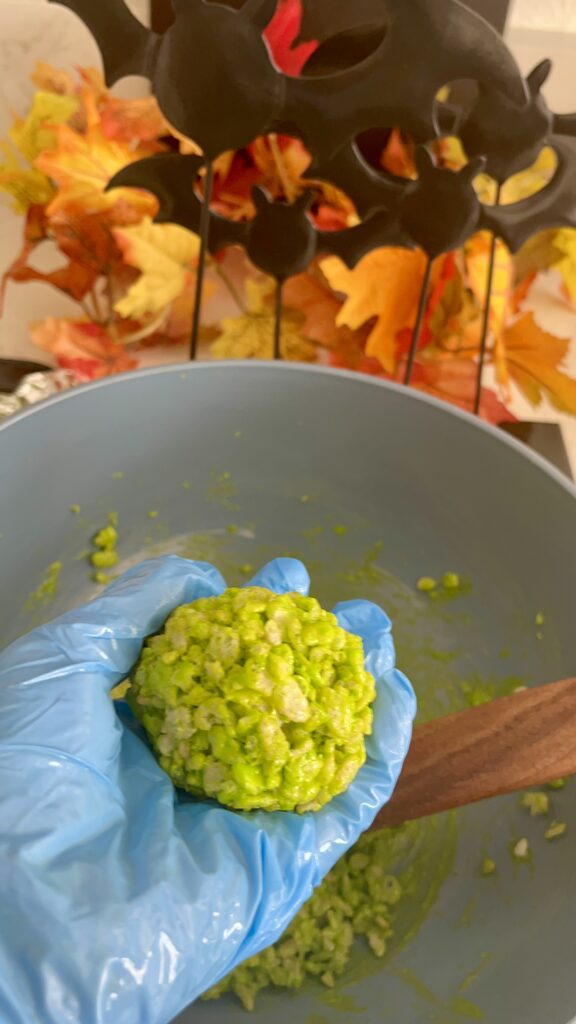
513	743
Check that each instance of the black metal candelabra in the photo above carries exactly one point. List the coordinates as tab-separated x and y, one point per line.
423	47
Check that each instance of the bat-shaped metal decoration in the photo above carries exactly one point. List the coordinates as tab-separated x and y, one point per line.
441	209
281	239
553	207
509	137
211	71
426	45
126	46
215	80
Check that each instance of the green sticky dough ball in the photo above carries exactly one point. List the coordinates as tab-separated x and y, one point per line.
257	700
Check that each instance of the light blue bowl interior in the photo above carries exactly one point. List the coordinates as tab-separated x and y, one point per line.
225	454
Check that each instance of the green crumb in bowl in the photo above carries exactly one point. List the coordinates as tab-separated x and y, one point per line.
153	514
451	586
536	803
426	584
557	784
340	530
539	620
451	581
105	555
75	510
488	868
556	830
258	700
356	900
101	578
118	475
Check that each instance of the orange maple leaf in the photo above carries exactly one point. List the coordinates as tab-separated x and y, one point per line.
386	284
82	346
532	357
310	295
81	165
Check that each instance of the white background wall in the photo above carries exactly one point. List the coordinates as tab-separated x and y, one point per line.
559	15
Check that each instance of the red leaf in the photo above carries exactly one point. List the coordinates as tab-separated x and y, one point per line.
452	381
281	35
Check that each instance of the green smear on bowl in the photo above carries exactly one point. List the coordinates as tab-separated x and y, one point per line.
47	590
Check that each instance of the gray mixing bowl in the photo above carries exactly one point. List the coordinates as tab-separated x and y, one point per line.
375	487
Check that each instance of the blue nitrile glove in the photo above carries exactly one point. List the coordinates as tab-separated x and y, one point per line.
119	903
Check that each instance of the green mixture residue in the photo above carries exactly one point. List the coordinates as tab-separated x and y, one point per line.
105	555
258	700
358	915
357	900
450	586
47	590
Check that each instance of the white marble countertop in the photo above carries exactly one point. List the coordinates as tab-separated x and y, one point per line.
31	30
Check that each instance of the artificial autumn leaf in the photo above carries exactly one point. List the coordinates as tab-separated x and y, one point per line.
89	241
133	121
27	186
82	165
398	156
50	79
82	346
309	294
477	258
531	357
73	279
281	35
537	254
35	133
455	381
445	303
164	254
450	381
251	336
385	284
565	262
30	136
281	162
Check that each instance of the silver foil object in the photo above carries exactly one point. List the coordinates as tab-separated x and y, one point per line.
35	388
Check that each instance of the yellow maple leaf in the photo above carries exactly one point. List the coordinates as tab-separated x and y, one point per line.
385	284
565	244
82	165
477	255
27	186
532	358
164	254
251	336
29	136
35	133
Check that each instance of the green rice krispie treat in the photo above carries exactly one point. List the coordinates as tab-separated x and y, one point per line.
257	700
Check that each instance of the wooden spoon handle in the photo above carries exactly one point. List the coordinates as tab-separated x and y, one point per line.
513	743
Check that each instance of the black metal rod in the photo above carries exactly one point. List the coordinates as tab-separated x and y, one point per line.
279	304
486	316
202	257
419	321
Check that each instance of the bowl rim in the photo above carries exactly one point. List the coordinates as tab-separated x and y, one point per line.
352	376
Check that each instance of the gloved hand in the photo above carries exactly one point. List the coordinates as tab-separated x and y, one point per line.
119	902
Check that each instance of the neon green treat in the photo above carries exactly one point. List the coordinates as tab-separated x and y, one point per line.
356	899
257	700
